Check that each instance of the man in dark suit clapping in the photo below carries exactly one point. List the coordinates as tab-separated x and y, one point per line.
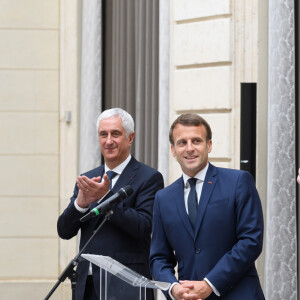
126	236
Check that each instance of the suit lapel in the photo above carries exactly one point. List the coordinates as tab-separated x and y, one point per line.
179	199
127	175
207	189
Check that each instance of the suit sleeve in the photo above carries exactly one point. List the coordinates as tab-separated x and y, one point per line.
69	223
162	258
136	220
249	236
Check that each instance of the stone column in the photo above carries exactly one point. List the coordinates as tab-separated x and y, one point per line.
90	104
281	242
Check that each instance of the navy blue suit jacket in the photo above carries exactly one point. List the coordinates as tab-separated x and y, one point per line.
227	240
126	236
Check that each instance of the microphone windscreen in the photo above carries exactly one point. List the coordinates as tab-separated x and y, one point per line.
127	190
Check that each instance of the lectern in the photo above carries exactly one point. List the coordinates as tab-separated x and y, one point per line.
115	277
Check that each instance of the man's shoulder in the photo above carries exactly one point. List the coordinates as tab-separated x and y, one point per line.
229	171
142	167
148	168
232	174
94	172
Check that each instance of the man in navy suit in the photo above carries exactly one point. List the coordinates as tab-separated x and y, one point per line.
126	236
209	222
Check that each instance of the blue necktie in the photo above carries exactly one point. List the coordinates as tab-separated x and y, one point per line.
111	175
192	201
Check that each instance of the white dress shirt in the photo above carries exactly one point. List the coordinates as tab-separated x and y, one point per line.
199	184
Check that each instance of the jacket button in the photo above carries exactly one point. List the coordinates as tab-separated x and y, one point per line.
198	250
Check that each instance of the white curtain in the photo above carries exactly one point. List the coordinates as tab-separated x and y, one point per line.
281	235
91	84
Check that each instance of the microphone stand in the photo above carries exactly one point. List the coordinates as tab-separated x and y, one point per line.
69	270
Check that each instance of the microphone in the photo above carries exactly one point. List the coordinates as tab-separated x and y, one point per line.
109	203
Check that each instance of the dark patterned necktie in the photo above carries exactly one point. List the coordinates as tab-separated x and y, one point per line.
192	201
111	175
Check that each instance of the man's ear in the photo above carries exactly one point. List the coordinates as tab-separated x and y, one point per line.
209	144
173	150
131	137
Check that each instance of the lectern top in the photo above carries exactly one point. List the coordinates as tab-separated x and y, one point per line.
117	269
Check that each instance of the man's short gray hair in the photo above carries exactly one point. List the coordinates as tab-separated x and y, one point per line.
127	120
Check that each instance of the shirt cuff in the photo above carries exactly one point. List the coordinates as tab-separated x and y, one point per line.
82	210
170	289
212	286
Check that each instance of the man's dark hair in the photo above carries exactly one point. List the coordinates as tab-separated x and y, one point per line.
190	120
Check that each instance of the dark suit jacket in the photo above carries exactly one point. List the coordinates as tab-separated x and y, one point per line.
126	236
227	240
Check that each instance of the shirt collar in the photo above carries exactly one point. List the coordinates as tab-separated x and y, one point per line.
120	168
200	176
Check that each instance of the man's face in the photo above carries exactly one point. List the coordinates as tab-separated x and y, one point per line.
190	148
114	145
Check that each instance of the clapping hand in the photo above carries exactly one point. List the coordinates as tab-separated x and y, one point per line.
91	189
